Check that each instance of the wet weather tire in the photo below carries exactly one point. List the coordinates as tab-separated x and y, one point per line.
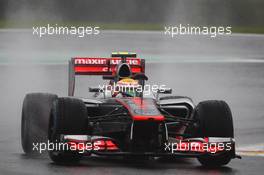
214	120
35	118
69	116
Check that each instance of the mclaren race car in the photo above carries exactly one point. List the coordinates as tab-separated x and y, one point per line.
123	120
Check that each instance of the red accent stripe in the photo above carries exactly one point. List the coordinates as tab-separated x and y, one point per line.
141	117
148	117
80	69
100	69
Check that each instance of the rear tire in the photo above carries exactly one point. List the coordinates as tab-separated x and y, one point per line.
69	116
35	118
214	120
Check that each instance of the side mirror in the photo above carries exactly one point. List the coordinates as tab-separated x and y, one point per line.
96	89
164	91
140	76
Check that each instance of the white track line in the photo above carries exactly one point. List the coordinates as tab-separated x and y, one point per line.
251	150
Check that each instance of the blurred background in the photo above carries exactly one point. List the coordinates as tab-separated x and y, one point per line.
242	15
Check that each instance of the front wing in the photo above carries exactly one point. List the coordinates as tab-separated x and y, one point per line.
191	147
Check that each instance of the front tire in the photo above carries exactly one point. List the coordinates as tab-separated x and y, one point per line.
69	116
214	120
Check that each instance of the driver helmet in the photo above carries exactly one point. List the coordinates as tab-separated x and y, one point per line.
126	87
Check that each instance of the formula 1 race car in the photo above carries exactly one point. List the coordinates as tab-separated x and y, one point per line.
124	120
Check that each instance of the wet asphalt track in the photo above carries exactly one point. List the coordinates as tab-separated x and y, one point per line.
228	68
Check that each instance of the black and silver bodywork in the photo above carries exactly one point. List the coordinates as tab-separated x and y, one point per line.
127	126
